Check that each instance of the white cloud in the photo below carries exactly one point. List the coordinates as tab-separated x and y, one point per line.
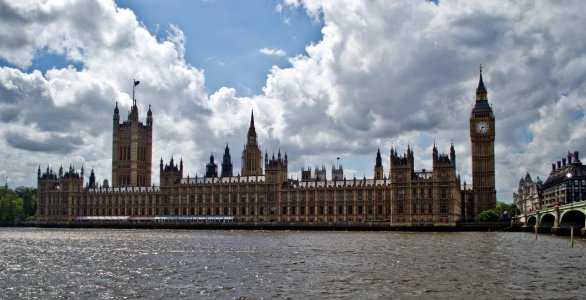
272	52
384	73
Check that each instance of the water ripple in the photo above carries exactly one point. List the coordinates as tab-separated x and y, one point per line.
161	264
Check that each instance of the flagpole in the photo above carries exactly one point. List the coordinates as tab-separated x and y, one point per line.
133	87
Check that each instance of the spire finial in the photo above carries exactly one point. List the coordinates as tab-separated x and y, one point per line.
481	90
136	82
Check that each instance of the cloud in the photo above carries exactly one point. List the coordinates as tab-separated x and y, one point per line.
387	72
61	144
272	52
65	112
383	74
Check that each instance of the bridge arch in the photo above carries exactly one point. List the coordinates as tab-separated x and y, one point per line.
531	221
572	218
547	220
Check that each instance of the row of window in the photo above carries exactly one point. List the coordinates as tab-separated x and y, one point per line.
262	210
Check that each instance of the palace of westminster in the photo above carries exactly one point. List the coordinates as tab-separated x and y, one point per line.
262	192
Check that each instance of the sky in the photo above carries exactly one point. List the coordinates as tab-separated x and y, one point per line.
326	79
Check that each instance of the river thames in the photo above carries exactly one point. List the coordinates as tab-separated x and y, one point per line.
162	264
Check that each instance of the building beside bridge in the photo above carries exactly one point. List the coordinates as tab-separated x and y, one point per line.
527	197
559	201
262	192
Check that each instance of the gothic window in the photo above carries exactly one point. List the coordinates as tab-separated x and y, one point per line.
443	208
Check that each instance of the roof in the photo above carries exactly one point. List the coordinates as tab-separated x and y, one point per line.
576	169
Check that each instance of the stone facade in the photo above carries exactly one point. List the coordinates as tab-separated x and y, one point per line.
566	182
482	135
527	197
132	148
407	196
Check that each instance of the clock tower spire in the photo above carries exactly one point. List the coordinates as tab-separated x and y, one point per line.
482	133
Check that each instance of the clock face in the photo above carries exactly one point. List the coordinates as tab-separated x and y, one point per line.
482	127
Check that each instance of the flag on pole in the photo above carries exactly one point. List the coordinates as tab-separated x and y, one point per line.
136	82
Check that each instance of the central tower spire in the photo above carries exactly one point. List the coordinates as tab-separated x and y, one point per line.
252	137
251	156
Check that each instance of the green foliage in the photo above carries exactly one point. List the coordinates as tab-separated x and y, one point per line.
11	206
29	200
488	216
502	207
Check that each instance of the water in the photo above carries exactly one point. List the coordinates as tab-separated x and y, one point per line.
163	264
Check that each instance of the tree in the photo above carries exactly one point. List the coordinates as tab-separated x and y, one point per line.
29	200
489	216
10	206
502	207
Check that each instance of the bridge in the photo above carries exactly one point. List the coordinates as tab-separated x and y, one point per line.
556	217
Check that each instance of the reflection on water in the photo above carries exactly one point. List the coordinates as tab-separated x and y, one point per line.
98	263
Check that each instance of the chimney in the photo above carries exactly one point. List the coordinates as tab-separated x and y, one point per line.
569	159
553	167
563	162
576	153
559	164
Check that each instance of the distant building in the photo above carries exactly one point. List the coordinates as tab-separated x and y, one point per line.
566	182
527	198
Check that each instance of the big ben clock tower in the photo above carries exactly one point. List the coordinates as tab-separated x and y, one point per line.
482	132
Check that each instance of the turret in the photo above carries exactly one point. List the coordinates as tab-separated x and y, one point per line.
276	169
171	173
227	163
150	117
211	168
116	114
92	181
378	166
453	154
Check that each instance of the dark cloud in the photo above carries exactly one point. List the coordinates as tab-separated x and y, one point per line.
51	143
